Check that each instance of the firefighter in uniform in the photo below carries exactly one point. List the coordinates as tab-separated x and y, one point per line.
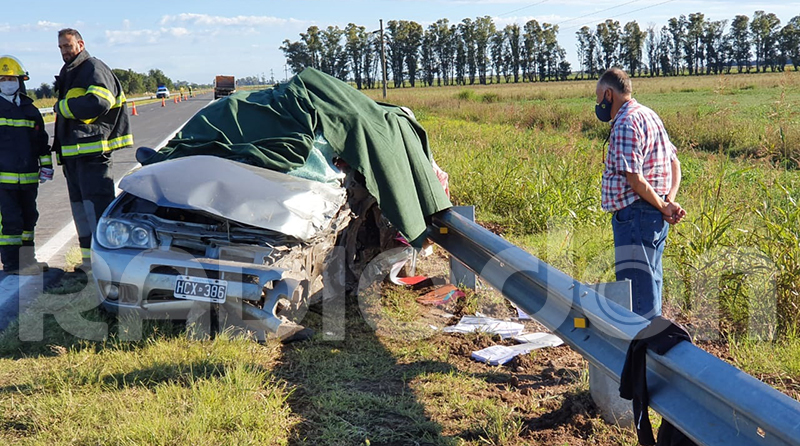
91	122
24	160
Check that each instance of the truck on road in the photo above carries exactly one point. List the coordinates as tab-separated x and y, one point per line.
224	85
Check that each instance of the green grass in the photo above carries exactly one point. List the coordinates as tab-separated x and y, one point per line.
780	360
167	389
741	115
530	158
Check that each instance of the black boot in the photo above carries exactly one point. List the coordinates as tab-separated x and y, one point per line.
9	254
28	266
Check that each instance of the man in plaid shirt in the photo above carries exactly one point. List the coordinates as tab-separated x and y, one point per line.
640	181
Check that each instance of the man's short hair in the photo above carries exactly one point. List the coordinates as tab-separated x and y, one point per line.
70	32
617	80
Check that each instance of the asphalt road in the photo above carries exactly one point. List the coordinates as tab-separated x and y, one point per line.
55	232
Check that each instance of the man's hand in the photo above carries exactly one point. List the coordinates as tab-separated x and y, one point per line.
673	212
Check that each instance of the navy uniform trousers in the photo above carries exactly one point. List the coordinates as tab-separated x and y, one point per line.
18	216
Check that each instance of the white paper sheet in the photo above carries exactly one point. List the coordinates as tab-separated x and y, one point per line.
501	354
469	324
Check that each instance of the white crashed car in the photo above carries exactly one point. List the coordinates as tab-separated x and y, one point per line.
196	233
265	203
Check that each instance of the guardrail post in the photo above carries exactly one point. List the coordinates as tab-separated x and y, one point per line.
604	389
460	275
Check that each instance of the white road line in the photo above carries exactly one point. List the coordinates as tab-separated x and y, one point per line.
56	242
11	285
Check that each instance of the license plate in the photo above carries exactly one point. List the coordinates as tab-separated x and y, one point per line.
202	289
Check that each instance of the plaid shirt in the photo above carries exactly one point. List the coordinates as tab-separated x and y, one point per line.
638	144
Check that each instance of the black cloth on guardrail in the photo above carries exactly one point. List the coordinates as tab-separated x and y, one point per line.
660	336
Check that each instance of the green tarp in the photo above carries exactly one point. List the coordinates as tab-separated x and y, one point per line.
275	129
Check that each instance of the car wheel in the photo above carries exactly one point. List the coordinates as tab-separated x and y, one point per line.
367	236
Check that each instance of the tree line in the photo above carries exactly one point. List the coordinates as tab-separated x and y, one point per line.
476	51
131	81
692	45
444	53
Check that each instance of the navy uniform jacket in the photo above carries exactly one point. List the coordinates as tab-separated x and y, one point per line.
91	112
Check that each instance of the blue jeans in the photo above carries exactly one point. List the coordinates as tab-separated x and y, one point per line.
639	235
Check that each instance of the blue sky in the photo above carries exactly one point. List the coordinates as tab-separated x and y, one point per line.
195	40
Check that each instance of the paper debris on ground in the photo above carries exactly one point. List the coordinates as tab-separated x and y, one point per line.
469	324
501	354
541	339
495	355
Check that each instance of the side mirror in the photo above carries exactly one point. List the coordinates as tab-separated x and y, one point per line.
143	154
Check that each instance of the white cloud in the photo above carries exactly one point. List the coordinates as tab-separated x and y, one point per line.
41	25
129	36
209	20
44	25
176	32
143	36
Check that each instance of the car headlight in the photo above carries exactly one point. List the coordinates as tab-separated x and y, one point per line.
114	233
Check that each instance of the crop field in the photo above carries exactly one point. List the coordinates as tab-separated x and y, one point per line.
529	157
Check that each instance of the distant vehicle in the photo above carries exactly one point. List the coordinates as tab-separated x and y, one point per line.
224	86
162	92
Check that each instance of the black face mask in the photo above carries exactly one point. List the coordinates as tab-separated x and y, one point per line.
603	110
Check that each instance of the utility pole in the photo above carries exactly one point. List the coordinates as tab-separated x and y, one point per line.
285	72
383	61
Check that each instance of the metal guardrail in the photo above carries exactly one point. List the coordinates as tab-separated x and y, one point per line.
49	110
709	400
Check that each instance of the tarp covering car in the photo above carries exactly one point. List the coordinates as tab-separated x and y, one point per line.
275	129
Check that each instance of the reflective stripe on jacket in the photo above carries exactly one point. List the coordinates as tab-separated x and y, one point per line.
23	143
91	112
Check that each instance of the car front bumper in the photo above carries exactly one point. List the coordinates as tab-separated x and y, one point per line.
143	282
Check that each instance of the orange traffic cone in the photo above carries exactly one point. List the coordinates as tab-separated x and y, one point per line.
175	99
133	109
179	99
163	102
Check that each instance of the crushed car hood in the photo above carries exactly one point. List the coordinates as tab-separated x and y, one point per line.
239	192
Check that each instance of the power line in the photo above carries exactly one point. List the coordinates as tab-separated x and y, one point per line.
520	9
598	12
620	15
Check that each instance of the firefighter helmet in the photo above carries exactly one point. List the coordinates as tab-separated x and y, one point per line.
11	66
